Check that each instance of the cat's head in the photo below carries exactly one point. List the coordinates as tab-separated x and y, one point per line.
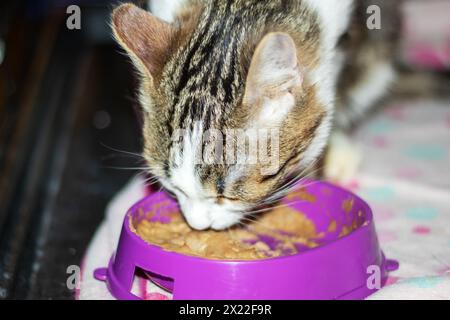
205	82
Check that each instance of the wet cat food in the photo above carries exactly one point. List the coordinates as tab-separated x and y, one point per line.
282	231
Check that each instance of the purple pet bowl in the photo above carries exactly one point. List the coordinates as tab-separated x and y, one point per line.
341	267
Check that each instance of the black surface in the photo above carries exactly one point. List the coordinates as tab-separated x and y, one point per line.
56	161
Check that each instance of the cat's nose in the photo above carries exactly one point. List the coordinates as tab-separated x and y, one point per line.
197	215
198	223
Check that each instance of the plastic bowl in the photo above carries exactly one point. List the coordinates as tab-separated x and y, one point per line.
342	267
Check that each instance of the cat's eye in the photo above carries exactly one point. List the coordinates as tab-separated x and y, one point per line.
221	198
227	198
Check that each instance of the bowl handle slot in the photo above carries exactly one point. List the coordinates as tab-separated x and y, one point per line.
391	265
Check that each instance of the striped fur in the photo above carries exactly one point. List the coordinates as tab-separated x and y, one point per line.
198	79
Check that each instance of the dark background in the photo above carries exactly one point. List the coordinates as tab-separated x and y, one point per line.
67	102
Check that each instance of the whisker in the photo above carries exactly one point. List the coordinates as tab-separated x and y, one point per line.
126	168
302	179
295	179
288	187
259	223
115	155
284	193
151	179
123	151
152	183
311	165
270	208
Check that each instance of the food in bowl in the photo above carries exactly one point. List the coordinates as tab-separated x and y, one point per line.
278	232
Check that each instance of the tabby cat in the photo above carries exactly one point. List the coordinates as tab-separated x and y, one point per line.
294	67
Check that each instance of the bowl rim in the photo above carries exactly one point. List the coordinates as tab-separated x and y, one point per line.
368	222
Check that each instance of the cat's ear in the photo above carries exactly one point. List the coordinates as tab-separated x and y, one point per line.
145	37
274	75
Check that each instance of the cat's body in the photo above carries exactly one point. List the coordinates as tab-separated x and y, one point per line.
244	64
368	60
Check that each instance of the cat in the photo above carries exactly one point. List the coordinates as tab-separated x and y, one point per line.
294	66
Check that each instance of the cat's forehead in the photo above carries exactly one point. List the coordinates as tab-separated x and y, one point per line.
206	65
209	93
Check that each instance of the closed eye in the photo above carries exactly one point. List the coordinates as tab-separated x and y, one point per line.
220	198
